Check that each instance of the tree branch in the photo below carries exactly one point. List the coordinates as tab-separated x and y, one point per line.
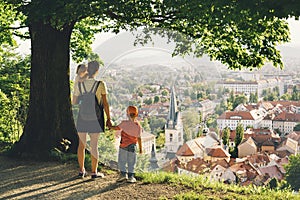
12	28
21	35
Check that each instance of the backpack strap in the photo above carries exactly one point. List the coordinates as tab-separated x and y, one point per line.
95	87
79	87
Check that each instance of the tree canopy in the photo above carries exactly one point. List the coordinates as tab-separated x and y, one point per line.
237	33
233	32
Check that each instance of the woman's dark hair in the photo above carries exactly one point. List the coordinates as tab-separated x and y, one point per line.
93	67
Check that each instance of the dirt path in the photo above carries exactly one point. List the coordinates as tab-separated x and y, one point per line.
52	180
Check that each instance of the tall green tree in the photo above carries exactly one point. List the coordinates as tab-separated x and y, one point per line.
253	98
239	131
295	94
225	136
240	99
236	33
293	172
156	99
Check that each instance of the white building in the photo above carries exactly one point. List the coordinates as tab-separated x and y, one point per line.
221	174
254	87
173	128
285	122
232	118
267	122
148	140
244	87
206	107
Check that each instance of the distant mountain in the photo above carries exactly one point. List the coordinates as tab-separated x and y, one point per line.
120	49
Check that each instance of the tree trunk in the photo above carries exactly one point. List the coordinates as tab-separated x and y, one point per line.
50	116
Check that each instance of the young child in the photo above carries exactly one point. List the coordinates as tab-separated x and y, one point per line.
81	75
130	135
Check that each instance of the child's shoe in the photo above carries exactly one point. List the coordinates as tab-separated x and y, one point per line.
122	178
131	179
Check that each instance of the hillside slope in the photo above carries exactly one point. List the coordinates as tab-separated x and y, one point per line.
53	180
21	179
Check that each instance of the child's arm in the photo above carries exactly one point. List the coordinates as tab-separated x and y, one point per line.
140	138
114	127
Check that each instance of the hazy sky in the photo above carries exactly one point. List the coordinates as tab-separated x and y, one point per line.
295	32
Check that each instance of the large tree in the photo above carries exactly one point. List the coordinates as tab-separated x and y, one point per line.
234	32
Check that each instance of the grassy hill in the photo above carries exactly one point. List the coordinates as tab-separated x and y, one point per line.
201	188
28	179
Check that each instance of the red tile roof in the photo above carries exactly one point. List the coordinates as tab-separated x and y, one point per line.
258	159
295	135
285	116
251	106
249	141
221	162
170	166
185	150
285	103
272	171
217	152
259	135
197	165
244	115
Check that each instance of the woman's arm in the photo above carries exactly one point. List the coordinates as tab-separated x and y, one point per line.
75	92
106	109
74	100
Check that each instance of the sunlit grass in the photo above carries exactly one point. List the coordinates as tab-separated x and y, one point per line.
202	188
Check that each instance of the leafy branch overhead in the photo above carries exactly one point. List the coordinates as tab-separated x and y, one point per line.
236	33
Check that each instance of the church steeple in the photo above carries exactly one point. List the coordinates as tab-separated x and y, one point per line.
153	160
173	128
172	117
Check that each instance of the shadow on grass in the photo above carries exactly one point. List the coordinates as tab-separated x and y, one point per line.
23	179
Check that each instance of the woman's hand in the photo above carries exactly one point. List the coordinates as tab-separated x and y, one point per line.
108	123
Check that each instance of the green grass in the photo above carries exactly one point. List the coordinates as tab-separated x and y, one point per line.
201	188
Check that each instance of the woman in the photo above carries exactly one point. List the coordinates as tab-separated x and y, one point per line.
93	127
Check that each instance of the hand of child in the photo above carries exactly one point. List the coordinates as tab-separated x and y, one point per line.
118	134
141	151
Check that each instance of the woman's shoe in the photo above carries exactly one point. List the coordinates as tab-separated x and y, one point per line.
97	175
82	174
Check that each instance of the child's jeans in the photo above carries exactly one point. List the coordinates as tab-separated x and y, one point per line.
127	155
